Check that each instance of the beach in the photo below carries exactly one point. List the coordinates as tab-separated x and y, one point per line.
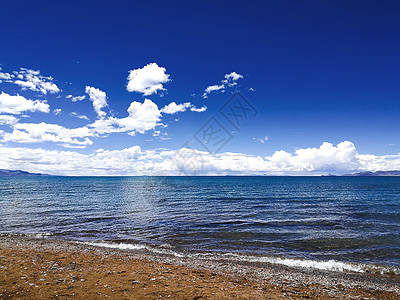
41	268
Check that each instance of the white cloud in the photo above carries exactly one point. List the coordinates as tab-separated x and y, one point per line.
8	120
105	126
327	158
99	99
33	80
43	132
262	140
79	116
147	80
174	108
18	104
76	98
57	111
5	76
142	117
199	109
213	88
229	81
231	78
123	161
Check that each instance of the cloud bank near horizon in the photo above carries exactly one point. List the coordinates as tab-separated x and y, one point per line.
133	161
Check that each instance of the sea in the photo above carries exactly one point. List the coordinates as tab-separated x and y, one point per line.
330	223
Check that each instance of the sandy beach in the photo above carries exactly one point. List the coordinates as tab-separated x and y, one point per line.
37	268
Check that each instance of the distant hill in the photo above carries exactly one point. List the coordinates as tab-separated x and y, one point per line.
18	173
378	173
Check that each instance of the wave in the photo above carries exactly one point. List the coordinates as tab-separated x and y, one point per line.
330	265
41	235
124	246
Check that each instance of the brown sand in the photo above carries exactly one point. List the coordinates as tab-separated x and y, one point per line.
42	269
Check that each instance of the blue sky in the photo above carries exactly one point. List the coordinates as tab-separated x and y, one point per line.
315	72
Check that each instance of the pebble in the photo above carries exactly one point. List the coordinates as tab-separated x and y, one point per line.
273	274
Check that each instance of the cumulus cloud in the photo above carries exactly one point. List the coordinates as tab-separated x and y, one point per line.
99	99
71	162
76	98
199	109
327	158
142	117
231	78
5	76
8	120
174	108
33	80
229	81
57	111
43	132
18	104
147	80
339	159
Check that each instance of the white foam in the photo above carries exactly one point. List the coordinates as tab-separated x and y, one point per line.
123	246
330	265
382	269
42	235
120	246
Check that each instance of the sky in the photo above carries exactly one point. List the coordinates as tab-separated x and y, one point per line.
199	88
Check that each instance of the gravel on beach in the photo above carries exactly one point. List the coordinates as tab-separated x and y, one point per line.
43	268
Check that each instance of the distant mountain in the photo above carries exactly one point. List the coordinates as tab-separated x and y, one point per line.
19	173
378	173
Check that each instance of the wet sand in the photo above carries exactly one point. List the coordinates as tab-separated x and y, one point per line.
37	268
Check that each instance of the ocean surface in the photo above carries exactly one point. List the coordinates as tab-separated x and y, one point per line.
336	223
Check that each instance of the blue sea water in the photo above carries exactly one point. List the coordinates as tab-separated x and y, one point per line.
317	219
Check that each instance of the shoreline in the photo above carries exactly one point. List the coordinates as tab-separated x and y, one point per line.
140	273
